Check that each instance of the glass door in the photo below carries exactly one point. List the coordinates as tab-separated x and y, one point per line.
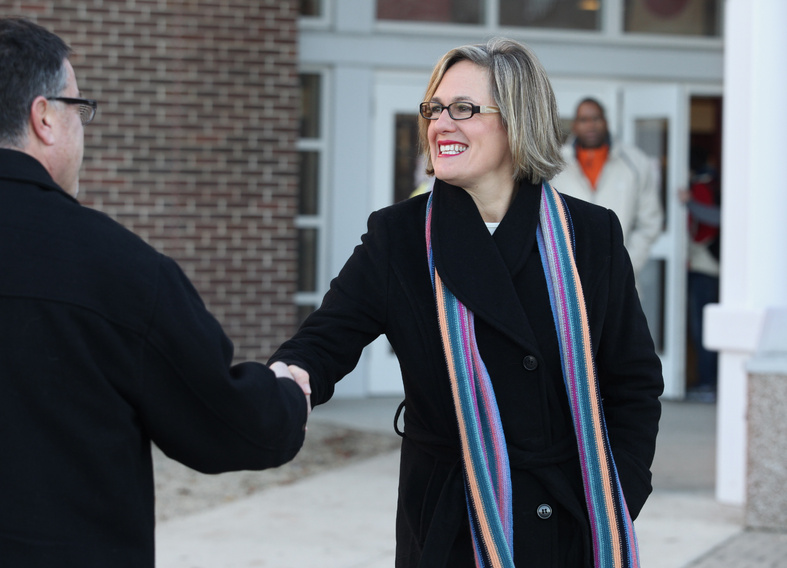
655	119
396	172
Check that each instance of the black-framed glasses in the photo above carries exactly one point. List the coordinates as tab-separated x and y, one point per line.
457	110
87	107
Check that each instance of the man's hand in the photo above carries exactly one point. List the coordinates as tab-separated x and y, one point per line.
298	375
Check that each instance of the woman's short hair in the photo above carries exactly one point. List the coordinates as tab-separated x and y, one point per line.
32	64
522	91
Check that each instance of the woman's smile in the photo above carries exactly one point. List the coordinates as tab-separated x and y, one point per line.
450	148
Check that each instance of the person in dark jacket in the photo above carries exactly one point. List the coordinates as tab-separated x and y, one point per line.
470	286
106	345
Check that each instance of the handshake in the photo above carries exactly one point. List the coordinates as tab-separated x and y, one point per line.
296	374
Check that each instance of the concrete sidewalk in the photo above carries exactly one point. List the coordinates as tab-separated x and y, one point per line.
344	518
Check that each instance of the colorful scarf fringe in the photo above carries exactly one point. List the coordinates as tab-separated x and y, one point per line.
484	453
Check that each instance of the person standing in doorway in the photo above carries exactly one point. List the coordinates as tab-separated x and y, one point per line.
703	201
614	175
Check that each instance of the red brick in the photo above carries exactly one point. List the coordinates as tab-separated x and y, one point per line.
194	144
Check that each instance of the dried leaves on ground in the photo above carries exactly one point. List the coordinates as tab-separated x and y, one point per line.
182	491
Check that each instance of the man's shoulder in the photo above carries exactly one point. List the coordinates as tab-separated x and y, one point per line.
108	236
571	166
568	151
585	209
625	151
75	254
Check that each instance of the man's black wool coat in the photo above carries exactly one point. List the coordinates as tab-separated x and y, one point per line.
105	346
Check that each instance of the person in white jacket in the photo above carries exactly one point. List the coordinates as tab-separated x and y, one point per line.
617	176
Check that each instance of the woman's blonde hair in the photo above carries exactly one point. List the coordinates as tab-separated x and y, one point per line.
523	93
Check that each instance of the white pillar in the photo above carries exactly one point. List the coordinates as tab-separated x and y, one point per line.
754	216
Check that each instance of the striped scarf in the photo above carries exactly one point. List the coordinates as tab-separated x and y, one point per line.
484	454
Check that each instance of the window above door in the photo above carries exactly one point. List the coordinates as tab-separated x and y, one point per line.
609	17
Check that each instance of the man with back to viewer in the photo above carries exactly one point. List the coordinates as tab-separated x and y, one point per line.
105	346
614	175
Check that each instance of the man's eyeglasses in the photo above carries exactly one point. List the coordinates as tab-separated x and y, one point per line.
457	110
87	107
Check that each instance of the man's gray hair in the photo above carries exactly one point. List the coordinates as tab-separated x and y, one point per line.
522	91
31	64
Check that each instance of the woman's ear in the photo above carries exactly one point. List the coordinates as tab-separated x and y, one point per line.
42	121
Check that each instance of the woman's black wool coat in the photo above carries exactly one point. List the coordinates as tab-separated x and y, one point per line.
385	288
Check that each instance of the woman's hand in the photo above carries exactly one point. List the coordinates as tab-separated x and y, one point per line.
295	373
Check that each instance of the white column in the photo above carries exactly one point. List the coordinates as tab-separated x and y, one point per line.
350	177
754	216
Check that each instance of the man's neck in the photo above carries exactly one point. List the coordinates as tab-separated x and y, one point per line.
592	161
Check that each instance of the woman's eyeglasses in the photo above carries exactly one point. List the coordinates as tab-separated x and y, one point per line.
457	111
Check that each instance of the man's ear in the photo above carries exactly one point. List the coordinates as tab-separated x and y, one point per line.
42	121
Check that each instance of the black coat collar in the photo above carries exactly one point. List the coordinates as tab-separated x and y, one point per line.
21	167
479	268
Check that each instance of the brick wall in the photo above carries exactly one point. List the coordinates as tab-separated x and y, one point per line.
194	144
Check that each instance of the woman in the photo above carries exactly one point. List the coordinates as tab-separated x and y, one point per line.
492	471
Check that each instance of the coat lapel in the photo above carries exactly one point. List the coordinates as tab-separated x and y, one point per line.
477	267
